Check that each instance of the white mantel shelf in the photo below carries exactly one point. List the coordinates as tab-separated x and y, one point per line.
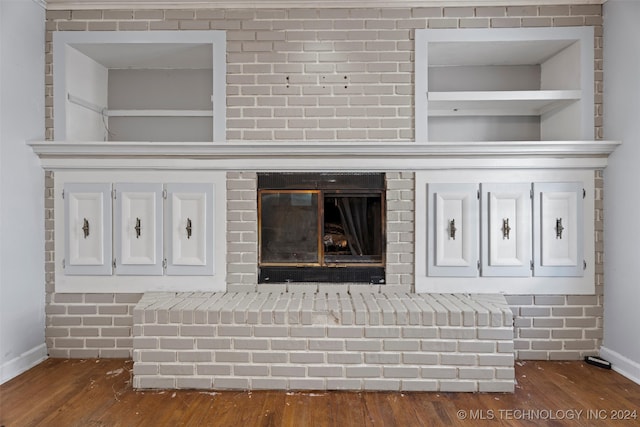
340	155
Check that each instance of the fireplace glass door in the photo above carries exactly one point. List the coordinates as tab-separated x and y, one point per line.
321	234
289	227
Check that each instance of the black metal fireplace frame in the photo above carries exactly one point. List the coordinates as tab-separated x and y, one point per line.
362	271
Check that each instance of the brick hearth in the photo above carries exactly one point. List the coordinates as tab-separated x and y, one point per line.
306	340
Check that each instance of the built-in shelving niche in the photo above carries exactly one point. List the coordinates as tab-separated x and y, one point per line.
528	84
135	86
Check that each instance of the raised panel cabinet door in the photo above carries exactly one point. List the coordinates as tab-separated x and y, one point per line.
138	229
87	219
506	229
452	230
189	229
558	229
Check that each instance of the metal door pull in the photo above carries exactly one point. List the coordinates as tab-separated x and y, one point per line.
559	228
505	228
138	228
188	228
85	227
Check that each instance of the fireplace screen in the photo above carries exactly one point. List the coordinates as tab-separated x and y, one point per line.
289	227
331	232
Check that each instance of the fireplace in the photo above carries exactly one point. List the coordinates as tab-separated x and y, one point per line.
321	227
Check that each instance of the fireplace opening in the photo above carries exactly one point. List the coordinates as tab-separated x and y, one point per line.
321	227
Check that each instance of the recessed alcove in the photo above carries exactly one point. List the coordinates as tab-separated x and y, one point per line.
139	86
504	84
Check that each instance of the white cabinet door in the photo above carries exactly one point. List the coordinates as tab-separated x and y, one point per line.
138	229
87	217
189	229
452	230
506	229
558	229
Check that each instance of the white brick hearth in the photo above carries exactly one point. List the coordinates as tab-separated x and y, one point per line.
354	339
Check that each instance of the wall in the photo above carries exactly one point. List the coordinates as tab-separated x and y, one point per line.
332	74
622	293
22	317
242	232
321	74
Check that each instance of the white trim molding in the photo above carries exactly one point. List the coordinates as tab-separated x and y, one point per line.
41	3
337	156
288	4
622	365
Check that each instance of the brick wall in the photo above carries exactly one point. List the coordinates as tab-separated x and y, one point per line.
400	228
242	231
332	74
322	74
90	325
559	327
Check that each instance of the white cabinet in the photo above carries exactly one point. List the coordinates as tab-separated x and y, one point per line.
558	242
510	84
506	229
87	222
189	228
138	229
139	86
494	231
453	214
158	229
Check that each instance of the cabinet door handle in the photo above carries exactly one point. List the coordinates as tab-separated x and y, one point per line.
559	228
85	227
452	229
505	228
188	228
138	228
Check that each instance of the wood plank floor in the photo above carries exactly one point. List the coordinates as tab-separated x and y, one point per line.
63	393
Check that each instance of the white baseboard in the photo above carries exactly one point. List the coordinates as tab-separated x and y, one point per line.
622	365
22	363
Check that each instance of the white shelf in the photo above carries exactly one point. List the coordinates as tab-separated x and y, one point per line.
137	112
159	113
330	156
504	84
499	103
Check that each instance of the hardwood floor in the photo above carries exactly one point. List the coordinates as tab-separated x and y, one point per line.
63	393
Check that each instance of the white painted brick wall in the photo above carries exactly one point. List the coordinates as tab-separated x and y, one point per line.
546	327
322	74
316	49
242	231
242	225
90	325
400	228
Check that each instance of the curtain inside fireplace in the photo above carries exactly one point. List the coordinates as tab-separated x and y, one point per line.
353	214
352	226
